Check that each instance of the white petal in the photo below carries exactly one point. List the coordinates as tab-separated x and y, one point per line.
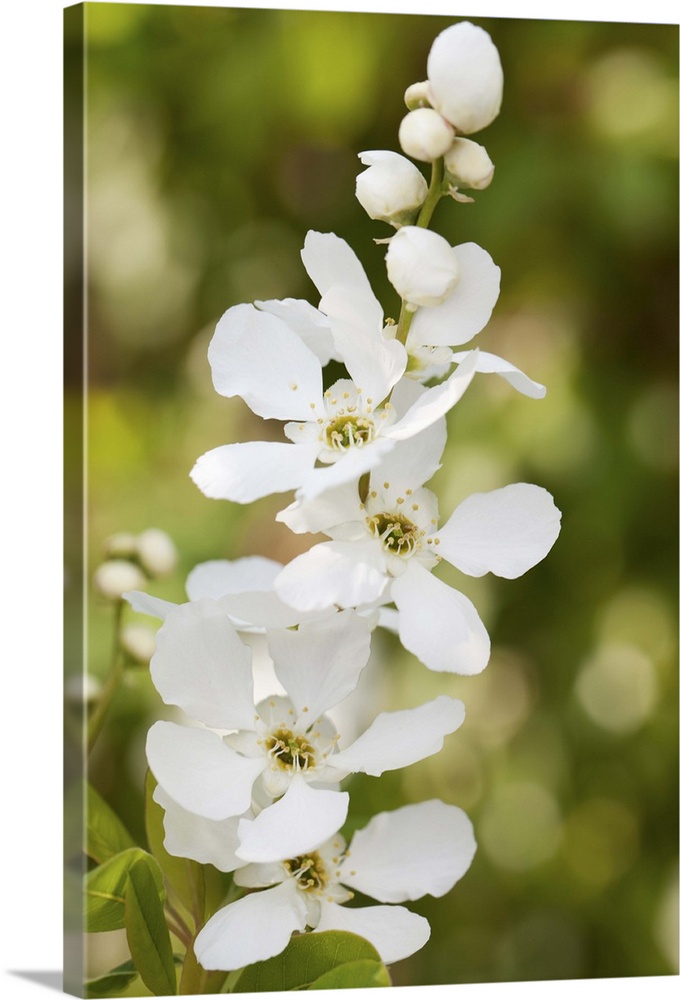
199	771
435	402
208	841
253	469
309	323
347	469
259	876
146	604
258	610
492	364
438	624
231	576
505	532
374	363
414	460
397	739
201	665
320	663
388	618
330	508
342	573
300	821
254	355
394	931
411	852
468	307
252	929
330	261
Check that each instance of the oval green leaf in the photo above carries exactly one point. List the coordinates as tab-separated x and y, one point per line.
112	983
304	961
106	835
352	975
106	886
147	932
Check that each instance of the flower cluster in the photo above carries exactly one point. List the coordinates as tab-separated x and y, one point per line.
251	783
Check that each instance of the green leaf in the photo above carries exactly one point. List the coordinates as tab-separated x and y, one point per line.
105	889
147	932
363	973
105	834
113	983
305	960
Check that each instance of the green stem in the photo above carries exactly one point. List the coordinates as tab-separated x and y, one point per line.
424	218
433	195
96	720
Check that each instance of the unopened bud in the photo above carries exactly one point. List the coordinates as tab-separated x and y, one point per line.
82	689
425	135
421	265
116	576
122	545
417	96
156	552
469	165
465	77
392	189
139	641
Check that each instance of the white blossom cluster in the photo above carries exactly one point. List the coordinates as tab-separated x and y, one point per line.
253	785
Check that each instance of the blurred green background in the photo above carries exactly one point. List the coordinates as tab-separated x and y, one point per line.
215	139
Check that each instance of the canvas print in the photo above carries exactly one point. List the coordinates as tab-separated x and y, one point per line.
371	482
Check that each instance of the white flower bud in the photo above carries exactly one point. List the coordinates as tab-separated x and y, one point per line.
392	189
425	135
421	265
156	552
122	545
465	76
139	641
469	165
116	576
417	96
82	689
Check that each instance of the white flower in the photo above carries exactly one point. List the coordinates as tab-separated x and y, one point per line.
383	550
402	855
421	265
348	428
282	748
468	165
465	77
425	135
461	315
116	576
392	189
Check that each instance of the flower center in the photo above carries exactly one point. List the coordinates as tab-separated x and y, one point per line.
349	431
309	871
291	752
396	532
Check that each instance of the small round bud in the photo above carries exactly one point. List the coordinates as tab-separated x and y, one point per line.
417	96
122	545
82	689
156	552
421	265
465	76
392	189
425	135
469	165
139	642
115	577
